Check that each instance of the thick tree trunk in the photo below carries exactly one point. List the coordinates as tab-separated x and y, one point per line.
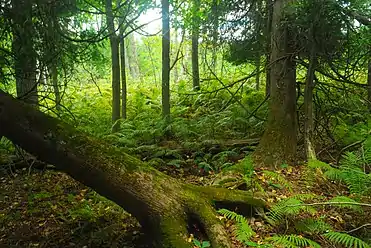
114	43
165	60
24	52
278	144
161	204
195	36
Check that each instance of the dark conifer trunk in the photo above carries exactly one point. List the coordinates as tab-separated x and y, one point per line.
24	52
114	43
165	60
195	37
278	144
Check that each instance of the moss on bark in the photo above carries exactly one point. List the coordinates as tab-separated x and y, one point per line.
161	203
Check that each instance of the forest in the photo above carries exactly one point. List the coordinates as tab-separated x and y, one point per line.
185	124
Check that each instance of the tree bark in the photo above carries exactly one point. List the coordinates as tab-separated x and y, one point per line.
123	66
308	99
114	43
278	144
165	60
162	205
369	84
54	77
24	52
195	37
215	34
268	34
132	56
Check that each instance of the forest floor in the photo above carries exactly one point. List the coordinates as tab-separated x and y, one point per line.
46	208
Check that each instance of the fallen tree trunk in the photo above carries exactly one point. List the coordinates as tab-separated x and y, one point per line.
161	204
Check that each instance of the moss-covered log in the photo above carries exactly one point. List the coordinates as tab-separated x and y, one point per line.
161	204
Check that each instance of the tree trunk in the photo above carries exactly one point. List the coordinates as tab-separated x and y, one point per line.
215	34
257	77
123	67
162	205
369	84
308	100
177	46
268	34
54	77
165	60
132	56
195	37
24	52
114	43
258	30
278	144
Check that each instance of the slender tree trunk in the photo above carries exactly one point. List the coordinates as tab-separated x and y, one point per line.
114	43
195	37
54	77
215	35
163	205
165	60
259	40
268	34
132	56
123	68
257	77
308	99
24	52
176	45
278	144
369	84
123	78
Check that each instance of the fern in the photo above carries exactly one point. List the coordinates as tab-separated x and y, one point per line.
289	207
278	178
346	240
292	241
344	200
313	226
243	232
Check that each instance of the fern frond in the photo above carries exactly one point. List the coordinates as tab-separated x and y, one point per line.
293	241
313	226
289	207
278	178
344	200
243	231
346	240
232	215
334	174
317	164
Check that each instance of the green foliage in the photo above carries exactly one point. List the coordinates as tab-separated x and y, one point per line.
346	202
274	176
199	244
345	240
352	171
312	226
292	241
290	207
243	231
